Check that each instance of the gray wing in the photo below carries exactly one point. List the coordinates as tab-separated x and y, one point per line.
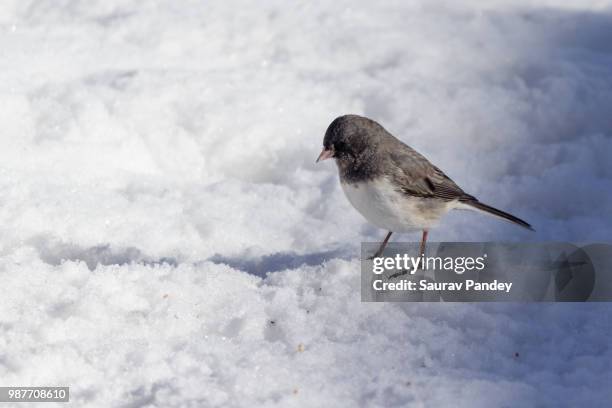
416	176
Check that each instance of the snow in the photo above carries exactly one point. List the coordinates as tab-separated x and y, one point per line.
166	238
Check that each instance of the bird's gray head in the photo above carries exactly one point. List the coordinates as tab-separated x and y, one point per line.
350	137
354	142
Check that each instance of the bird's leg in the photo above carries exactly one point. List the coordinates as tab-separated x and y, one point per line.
422	251
382	246
422	247
423	241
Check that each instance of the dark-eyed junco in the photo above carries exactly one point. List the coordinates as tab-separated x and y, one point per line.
390	184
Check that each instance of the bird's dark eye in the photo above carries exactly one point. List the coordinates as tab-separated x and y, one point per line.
339	147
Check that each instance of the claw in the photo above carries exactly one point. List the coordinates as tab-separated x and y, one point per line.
376	255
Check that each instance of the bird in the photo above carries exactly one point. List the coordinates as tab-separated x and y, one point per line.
392	185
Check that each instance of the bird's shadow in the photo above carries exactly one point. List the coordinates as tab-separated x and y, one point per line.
261	266
53	252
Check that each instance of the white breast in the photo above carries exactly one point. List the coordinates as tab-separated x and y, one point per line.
385	207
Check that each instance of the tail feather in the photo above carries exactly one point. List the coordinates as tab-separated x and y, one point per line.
499	213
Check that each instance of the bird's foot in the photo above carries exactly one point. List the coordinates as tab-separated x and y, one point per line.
376	255
398	274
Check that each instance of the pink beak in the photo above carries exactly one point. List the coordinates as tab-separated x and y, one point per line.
325	154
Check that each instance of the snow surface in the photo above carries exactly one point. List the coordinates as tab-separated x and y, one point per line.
167	240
